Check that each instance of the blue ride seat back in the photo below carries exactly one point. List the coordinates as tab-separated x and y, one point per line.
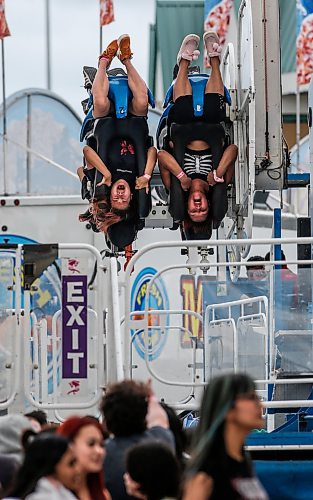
120	94
88	121
198	83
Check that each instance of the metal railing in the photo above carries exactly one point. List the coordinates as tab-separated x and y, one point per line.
208	323
30	374
265	317
144	325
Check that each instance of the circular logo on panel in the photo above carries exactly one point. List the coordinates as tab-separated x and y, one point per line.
158	323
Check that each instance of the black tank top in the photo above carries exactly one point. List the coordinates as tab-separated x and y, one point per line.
121	161
237	482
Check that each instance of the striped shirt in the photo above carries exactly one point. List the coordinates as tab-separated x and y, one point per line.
197	164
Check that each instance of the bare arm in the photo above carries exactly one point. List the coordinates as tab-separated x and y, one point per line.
228	160
226	166
168	162
144	180
156	415
151	160
94	160
80	173
199	487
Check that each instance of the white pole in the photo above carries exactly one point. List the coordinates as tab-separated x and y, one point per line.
119	374
4	117
48	51
298	113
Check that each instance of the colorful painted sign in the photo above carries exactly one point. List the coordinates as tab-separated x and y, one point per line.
158	300
192	295
304	41
217	17
74	323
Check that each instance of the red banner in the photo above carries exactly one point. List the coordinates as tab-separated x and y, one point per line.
4	29
106	12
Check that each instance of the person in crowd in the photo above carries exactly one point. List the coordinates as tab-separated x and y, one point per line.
86	436
219	466
287	274
8	470
38	419
206	187
257	271
12	428
132	415
49	469
120	175
152	472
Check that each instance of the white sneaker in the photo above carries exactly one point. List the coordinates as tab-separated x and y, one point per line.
189	48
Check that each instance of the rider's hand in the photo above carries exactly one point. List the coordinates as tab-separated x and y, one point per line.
142	182
185	182
105	181
210	179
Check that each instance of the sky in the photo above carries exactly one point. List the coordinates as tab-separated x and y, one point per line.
75	42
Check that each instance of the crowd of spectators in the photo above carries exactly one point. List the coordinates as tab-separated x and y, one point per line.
137	449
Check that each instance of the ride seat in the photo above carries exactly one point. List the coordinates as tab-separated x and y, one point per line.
119	93
198	83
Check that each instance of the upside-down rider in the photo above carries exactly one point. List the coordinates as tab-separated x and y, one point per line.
119	172
206	186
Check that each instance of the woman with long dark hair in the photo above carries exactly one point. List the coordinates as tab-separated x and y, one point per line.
49	469
120	175
104	210
220	468
86	435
